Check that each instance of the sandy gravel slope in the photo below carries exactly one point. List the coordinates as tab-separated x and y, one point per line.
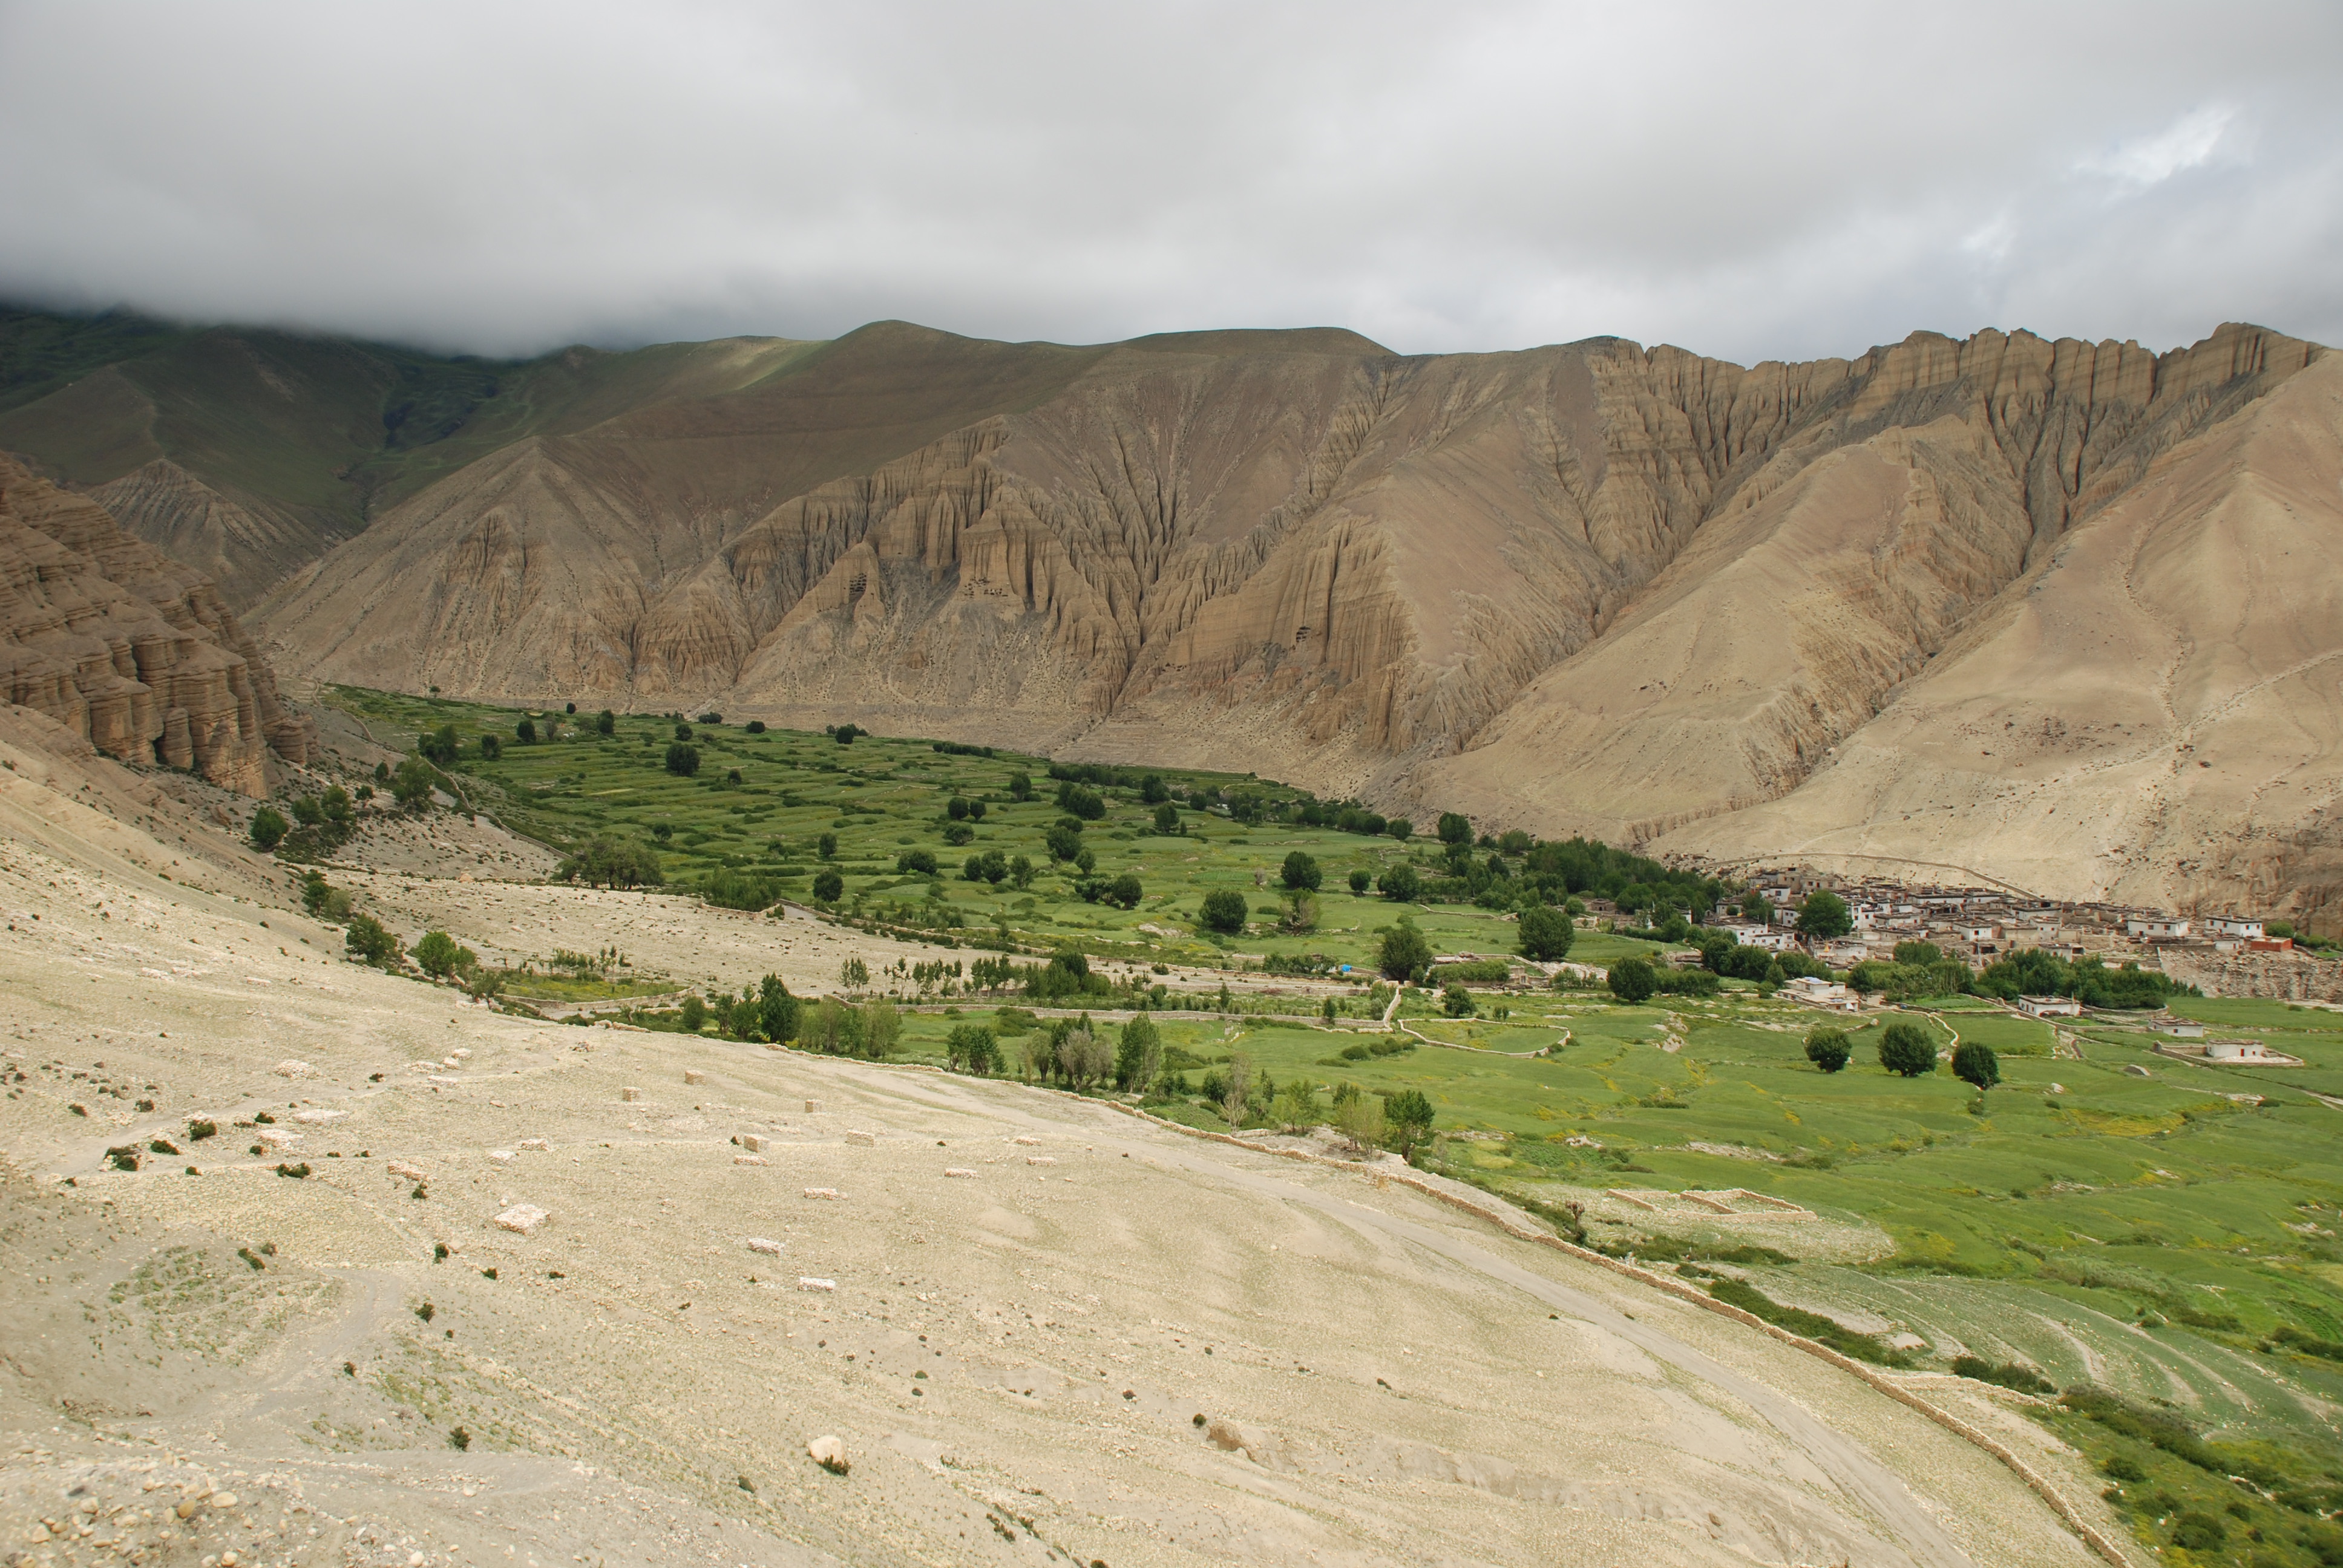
1016	1359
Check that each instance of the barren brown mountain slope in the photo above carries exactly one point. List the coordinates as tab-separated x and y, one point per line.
128	650
1593	587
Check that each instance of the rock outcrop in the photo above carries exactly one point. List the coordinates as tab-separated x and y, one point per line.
136	653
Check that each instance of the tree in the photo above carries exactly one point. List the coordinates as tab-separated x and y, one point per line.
1456	1001
1223	911
829	887
1400	827
606	723
970	1048
1634	979
976	810
368	941
1138	1053
1973	1063
526	731
777	1011
1455	828
1301	912
1152	789
1358	1117
695	1015
1167	821
682	758
440	745
754	727
1545	932
412	785
1407	1121
268	828
1020	786
845	733
492	748
1084	1059
1823	914
607	862
883	1026
1403	951
1756	908
1125	891
1748	963
1064	839
1081	801
854	974
1021	872
1236	1088
1906	1049
1301	872
1919	953
1827	1048
1400	884
916	862
826	847
956	807
1361	879
436	954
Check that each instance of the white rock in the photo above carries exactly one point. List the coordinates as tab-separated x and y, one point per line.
1041	1160
765	1244
1034	1142
452	1062
630	1095
828	1453
812	1106
958	1171
401	1168
752	1143
500	1154
692	1075
831	1193
524	1218
290	1069
319	1115
539	1144
747	1159
864	1140
807	1282
274	1136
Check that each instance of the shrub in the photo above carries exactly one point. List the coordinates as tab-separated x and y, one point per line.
1456	1001
606	723
957	834
1403	951
682	759
1301	872
199	1130
440	746
727	888
1223	911
1906	1049
2016	1375
1798	1321
845	733
492	748
412	785
1545	934
2198	1530
1827	1048
1634	979
526	731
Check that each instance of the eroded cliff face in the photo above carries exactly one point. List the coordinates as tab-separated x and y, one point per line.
1589	587
127	648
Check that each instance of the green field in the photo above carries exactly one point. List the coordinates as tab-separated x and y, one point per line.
885	798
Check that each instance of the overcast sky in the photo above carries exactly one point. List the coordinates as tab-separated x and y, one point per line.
1778	180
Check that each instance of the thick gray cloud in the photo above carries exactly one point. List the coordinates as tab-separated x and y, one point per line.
1748	181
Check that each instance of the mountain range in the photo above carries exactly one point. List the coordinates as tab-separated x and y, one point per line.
2059	616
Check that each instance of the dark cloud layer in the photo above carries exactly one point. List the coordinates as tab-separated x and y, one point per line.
1753	182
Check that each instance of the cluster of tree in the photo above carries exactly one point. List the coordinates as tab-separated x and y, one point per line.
1919	968
728	888
959	806
954	749
321	824
682	757
992	866
2030	972
441	957
766	1012
1123	891
603	862
1067	974
844	734
1723	953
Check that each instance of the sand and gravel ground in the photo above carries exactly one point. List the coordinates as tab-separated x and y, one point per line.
1103	1342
